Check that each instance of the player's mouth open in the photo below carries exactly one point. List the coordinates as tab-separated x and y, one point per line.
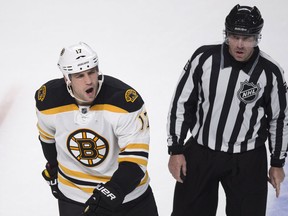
89	91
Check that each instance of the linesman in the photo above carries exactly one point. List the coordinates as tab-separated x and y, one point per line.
232	97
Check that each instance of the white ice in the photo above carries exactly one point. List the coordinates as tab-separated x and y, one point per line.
146	43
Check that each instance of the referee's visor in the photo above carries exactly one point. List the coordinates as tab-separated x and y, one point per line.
249	40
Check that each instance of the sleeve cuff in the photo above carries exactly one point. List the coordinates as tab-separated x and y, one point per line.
175	149
277	162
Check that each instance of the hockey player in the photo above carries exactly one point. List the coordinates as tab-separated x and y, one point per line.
94	132
232	97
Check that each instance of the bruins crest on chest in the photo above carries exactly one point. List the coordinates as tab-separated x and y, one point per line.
88	147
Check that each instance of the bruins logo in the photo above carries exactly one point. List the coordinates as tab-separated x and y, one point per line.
131	95
88	147
42	93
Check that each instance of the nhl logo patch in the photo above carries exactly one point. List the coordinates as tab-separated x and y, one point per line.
248	92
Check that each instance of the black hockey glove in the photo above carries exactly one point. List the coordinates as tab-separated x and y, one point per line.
50	175
104	201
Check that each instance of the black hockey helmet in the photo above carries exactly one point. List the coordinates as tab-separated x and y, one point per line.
244	20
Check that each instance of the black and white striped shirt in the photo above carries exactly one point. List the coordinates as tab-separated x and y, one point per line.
230	106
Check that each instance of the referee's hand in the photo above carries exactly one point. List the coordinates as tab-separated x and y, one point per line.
177	167
276	177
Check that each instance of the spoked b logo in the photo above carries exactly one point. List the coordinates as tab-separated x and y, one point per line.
88	147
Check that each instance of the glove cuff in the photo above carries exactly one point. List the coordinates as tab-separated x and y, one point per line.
111	195
50	174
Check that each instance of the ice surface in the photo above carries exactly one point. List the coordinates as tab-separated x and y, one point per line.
145	43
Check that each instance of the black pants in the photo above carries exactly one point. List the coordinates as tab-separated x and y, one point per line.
243	177
142	206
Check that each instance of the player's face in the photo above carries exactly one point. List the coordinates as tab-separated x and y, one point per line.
85	85
241	47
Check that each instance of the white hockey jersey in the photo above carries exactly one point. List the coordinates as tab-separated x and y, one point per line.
91	141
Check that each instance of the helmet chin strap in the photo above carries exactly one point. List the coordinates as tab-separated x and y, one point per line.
72	95
68	85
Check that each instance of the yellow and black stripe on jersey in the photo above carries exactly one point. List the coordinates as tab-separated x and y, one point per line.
119	95
53	94
112	145
114	95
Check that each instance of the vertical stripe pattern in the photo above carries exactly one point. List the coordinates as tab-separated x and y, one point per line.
229	106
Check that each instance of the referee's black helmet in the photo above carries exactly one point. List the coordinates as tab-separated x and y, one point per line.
244	20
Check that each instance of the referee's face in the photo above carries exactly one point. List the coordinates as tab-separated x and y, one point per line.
241	47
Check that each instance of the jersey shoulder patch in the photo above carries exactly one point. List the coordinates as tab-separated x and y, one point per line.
52	94
117	93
